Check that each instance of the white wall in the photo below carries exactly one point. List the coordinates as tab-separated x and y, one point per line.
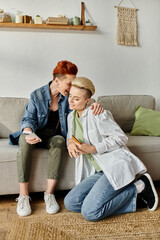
27	57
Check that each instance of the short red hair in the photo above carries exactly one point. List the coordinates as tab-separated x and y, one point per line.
65	67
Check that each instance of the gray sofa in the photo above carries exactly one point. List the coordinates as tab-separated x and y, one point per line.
122	107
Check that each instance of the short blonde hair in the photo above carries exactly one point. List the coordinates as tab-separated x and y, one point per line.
84	83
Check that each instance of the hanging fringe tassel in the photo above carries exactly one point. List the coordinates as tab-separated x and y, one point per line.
127	26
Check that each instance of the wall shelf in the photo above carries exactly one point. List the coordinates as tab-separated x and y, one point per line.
48	26
82	27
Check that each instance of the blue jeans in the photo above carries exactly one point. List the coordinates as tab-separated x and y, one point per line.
96	199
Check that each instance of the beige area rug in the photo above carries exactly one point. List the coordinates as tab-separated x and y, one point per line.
142	225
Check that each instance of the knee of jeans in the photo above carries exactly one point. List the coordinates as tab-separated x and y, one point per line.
88	213
68	203
22	139
57	141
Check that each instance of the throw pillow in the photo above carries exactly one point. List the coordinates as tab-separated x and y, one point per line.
147	122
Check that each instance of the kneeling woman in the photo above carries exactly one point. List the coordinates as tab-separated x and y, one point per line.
105	168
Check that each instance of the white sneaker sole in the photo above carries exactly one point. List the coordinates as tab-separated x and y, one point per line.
52	212
24	215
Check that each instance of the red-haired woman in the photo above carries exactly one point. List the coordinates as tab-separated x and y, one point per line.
46	115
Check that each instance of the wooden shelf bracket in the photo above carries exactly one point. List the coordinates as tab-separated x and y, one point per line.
82	14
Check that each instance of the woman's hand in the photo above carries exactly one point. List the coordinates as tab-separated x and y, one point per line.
75	149
32	140
72	148
97	108
85	148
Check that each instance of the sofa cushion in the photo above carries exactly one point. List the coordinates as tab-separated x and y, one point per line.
8	152
147	122
147	149
143	144
123	107
12	111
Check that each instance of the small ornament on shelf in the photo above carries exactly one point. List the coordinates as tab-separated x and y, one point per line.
19	17
60	20
76	21
38	19
88	23
27	19
4	17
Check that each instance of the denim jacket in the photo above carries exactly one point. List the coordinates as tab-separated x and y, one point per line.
37	112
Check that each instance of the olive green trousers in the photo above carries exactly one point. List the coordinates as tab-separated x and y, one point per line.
55	145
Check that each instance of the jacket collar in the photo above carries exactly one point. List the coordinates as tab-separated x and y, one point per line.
47	93
61	97
85	112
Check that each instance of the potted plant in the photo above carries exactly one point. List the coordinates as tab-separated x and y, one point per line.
38	19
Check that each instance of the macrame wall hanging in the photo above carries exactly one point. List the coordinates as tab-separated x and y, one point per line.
127	29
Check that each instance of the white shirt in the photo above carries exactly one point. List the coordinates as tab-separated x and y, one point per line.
118	164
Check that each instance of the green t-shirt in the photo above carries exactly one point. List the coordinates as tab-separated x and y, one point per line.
78	133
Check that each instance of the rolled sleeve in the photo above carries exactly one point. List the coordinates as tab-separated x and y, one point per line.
100	147
27	125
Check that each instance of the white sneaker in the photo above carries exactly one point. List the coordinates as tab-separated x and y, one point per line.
51	203
23	206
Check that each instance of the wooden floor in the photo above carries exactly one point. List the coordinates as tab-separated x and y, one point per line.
8	208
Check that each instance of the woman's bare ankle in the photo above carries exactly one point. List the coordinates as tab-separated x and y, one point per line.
24	189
